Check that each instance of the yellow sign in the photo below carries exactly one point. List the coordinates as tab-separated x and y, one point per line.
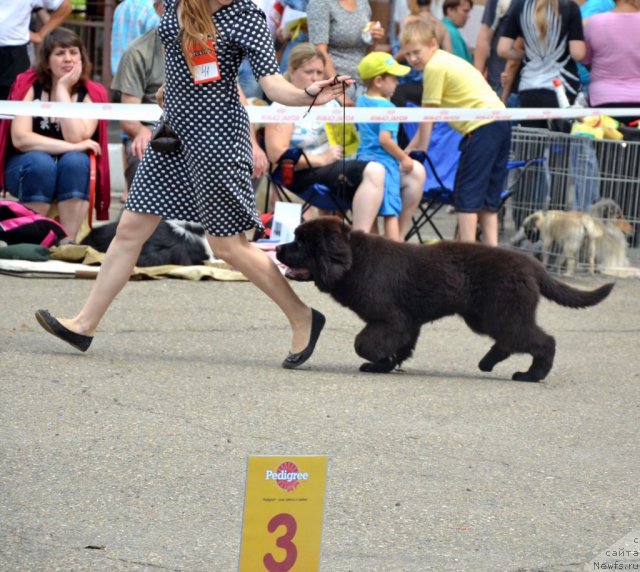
283	506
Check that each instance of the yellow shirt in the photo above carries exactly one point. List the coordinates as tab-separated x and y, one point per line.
450	81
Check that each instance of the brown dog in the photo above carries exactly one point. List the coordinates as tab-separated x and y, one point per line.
568	230
397	287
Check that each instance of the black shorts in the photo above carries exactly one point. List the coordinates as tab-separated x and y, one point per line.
342	181
13	61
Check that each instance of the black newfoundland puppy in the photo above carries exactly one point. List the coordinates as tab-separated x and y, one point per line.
396	288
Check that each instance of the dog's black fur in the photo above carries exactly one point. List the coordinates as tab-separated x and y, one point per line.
172	242
396	288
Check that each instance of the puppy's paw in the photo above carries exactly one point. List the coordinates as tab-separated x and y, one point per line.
382	366
486	364
525	376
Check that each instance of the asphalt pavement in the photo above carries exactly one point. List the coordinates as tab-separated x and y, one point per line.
133	456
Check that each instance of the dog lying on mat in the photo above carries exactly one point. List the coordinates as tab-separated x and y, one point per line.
172	242
397	287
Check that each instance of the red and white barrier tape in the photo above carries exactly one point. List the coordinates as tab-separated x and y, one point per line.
284	114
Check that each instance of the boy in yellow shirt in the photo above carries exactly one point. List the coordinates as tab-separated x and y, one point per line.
450	81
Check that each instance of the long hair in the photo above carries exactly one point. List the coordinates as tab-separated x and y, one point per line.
197	26
541	15
60	38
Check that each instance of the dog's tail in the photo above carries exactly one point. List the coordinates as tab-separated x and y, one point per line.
566	295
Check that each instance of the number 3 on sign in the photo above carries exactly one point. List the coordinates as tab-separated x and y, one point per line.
284	542
282	525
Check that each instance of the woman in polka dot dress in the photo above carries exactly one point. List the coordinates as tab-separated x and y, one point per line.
209	179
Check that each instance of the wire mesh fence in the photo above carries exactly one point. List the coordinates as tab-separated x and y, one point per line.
578	207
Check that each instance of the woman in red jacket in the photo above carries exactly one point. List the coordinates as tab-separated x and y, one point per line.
47	158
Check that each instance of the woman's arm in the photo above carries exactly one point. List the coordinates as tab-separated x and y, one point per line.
73	130
510	72
577	49
277	138
444	39
483	47
24	139
277	88
507	49
329	68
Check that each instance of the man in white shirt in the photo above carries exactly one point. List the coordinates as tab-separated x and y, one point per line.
15	17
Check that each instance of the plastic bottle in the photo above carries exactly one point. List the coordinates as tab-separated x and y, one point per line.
286	172
561	94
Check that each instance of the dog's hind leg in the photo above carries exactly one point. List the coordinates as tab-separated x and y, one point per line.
494	356
497	353
543	349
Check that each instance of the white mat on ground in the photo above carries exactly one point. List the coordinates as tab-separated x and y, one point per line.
48	269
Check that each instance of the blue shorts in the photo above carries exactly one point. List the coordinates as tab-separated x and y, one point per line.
482	170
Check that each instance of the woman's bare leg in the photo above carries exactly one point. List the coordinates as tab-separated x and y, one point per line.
133	230
368	197
72	212
261	270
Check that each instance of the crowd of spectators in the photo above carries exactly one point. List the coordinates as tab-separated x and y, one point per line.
522	47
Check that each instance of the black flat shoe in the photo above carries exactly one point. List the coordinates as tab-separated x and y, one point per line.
53	326
294	360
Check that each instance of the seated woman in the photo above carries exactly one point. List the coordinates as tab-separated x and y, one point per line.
46	158
364	185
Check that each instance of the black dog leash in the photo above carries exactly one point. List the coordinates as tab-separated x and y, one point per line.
343	177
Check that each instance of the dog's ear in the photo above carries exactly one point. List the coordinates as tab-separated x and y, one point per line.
531	226
333	257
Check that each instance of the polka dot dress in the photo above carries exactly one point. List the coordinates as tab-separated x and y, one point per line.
209	179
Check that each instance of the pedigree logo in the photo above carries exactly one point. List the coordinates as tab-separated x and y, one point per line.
286	476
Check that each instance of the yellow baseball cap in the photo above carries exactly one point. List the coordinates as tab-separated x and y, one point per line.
379	63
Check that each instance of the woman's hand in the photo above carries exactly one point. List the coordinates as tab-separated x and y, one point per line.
160	96
329	89
260	161
71	78
87	145
377	33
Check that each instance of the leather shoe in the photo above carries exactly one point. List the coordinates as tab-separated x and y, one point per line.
317	323
53	326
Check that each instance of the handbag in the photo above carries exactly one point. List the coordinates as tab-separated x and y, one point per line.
164	139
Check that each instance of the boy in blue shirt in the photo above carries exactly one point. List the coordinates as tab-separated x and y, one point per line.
404	177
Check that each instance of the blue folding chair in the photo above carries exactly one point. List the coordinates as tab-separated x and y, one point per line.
317	195
438	187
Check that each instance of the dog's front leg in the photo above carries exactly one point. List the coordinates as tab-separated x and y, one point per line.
385	346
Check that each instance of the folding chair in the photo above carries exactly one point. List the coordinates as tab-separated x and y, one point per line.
438	189
317	195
